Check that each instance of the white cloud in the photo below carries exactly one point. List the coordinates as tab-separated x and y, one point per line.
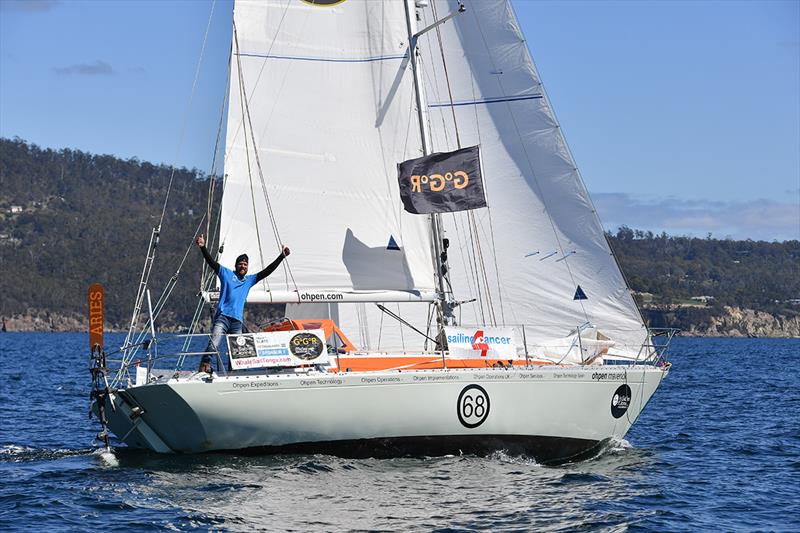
29	6
98	68
766	220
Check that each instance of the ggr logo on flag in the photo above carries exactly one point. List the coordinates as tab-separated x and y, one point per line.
442	182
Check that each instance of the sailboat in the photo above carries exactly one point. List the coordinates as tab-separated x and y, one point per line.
508	326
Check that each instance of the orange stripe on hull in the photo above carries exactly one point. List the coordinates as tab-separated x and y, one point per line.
374	364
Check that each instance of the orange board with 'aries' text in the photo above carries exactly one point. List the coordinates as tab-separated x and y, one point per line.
95	316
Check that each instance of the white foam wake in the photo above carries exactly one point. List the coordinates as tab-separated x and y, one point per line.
106	457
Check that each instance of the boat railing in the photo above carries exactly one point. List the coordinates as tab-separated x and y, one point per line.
658	344
178	354
167	352
585	344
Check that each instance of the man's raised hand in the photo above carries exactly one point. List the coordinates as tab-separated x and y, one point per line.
201	241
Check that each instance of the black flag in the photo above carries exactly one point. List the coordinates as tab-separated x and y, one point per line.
442	182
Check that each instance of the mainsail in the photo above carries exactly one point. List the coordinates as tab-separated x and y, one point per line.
320	112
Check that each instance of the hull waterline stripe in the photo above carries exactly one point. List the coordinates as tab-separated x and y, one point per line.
488	101
326	59
545	450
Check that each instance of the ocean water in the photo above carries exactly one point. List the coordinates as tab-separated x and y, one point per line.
718	449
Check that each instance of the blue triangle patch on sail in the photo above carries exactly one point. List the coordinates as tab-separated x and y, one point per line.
392	244
579	294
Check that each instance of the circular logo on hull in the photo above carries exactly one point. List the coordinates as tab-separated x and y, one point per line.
620	401
305	346
472	406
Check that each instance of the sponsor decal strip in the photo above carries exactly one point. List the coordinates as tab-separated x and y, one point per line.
409	378
321	296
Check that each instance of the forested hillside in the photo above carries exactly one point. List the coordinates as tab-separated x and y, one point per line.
70	218
713	286
760	275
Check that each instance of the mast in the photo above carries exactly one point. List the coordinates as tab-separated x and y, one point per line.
445	315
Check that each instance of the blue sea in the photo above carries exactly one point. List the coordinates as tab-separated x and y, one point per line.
718	449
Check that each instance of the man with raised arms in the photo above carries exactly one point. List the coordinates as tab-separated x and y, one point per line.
233	288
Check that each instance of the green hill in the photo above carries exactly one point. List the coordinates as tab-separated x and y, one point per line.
70	218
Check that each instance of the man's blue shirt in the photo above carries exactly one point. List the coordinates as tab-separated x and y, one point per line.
233	292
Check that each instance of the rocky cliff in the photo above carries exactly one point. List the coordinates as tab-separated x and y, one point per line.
725	321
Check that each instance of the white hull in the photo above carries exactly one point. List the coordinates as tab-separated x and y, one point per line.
553	413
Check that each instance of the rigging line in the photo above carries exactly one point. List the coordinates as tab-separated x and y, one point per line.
166	293
209	275
216	230
411	115
488	209
193	325
483	291
402	336
486	286
489	299
149	261
473	276
146	328
363	325
473	258
441	274
192	328
464	263
141	291
188	110
447	76
403	321
496	266
380	332
435	88
245	112
428	328
264	190
480	141
212	184
479	256
525	151
438	274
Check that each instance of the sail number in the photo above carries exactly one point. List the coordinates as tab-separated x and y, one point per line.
473	406
437	182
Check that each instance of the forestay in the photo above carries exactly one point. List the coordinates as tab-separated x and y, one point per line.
330	101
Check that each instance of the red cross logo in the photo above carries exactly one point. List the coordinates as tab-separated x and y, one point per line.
478	344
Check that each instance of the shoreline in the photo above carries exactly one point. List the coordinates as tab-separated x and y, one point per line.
725	322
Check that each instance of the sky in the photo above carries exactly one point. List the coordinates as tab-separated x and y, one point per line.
683	116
